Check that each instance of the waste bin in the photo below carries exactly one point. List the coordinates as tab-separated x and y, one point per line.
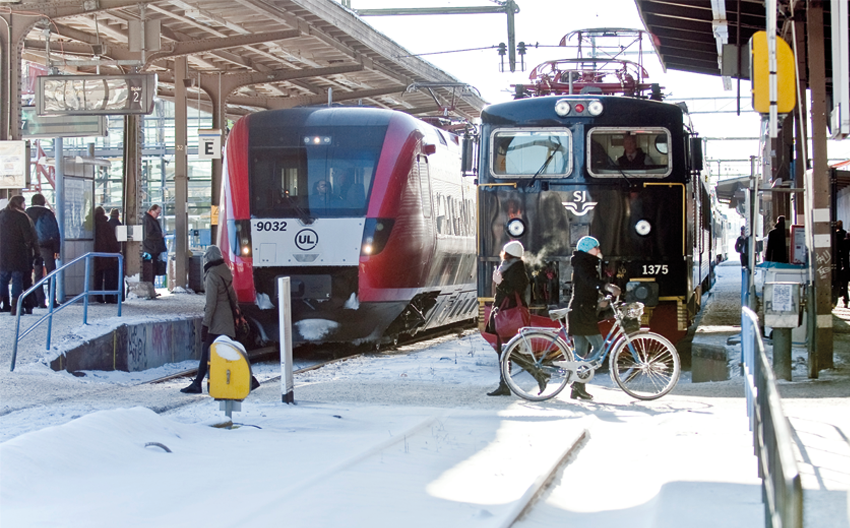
196	272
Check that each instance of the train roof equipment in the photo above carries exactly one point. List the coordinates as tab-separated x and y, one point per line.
599	66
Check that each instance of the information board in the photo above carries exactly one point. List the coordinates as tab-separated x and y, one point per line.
95	94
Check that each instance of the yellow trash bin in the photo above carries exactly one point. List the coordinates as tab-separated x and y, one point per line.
230	371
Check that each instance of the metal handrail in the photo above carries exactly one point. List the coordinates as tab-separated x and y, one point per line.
50	305
782	490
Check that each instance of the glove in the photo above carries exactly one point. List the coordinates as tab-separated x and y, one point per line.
497	277
146	256
205	332
163	257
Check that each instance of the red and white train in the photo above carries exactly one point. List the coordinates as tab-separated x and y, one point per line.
366	210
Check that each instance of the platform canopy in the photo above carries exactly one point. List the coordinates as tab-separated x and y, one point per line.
264	53
690	34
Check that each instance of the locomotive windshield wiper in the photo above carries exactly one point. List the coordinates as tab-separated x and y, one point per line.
302	214
547	162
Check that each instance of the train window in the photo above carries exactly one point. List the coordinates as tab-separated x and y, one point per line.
617	152
314	171
524	153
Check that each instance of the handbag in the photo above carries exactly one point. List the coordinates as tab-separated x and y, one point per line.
508	321
243	329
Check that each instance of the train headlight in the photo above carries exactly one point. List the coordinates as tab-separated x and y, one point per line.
562	108
643	227
595	108
376	232
516	228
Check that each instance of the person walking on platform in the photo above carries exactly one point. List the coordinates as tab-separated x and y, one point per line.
218	312
105	268
776	250
47	230
742	246
583	317
153	244
510	279
18	248
842	266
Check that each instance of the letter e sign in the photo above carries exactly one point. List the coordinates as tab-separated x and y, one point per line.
209	144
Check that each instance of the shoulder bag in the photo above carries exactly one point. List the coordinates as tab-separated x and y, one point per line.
508	321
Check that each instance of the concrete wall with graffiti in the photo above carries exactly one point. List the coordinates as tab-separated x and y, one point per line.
132	348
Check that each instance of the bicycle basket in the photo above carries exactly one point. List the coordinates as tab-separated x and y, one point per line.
633	311
631	325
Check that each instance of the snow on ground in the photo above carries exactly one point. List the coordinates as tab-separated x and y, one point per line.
401	438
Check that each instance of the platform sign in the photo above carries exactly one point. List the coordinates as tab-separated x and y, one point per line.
14	164
95	94
35	126
209	144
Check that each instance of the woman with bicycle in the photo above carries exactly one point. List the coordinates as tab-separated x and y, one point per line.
511	281
583	316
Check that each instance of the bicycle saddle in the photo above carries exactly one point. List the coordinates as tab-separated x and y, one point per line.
560	313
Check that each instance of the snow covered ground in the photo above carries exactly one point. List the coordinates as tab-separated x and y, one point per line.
403	438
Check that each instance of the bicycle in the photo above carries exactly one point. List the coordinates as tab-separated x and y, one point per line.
538	362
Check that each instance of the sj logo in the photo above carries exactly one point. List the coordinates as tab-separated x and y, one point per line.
306	239
579	205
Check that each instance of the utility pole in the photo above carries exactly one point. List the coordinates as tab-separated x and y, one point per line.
509	7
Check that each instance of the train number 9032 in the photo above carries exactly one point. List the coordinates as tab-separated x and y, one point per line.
274	226
655	269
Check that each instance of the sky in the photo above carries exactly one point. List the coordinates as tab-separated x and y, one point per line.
545	22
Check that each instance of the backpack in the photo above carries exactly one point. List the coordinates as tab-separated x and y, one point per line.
46	228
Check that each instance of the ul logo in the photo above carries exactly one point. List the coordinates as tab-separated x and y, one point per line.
306	239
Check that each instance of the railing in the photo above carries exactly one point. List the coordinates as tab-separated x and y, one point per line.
50	305
782	491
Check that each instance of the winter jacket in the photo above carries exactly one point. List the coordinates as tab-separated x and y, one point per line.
776	250
218	286
154	243
46	227
582	316
18	241
514	279
105	242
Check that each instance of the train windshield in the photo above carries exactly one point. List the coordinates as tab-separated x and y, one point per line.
641	153
541	153
314	172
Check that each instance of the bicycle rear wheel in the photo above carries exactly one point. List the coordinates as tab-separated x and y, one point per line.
648	369
528	365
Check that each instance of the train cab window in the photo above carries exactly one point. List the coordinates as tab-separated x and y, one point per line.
523	153
326	172
641	153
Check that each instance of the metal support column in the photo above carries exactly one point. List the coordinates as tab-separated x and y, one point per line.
132	197
219	121
181	174
821	244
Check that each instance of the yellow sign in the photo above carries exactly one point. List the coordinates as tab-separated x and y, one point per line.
760	75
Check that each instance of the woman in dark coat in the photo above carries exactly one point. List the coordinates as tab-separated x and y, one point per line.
510	279
582	317
18	248
218	312
105	269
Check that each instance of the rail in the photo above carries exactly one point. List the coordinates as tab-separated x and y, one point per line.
51	309
782	491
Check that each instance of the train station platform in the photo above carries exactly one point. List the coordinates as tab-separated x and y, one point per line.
818	410
150	333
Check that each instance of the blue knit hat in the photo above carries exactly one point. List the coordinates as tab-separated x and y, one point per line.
587	243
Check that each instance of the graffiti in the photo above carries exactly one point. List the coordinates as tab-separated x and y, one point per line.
824	271
823	256
135	347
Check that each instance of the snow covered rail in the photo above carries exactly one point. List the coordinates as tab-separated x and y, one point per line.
782	489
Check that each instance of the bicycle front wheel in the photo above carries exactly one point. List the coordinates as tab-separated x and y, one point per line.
528	365
646	366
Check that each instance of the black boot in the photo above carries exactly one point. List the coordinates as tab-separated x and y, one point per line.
194	388
579	392
501	390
